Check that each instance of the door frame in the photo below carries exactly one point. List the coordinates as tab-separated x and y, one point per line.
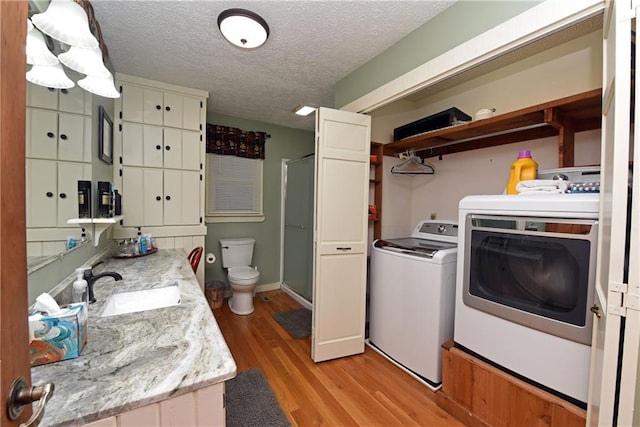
14	333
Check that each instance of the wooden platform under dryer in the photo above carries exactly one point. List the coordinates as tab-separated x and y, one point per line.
482	395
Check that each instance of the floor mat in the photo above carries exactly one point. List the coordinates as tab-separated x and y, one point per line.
296	322
250	402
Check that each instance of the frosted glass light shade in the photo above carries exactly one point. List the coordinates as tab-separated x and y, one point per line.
243	28
85	61
37	51
66	20
102	86
49	76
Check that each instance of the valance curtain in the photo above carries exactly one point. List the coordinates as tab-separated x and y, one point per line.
235	142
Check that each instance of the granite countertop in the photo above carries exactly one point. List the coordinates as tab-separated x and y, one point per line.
135	359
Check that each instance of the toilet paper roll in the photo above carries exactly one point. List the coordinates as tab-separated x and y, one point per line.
211	258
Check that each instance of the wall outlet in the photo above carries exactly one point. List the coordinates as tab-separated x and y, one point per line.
434	215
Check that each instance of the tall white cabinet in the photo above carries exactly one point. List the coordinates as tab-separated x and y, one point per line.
58	154
159	152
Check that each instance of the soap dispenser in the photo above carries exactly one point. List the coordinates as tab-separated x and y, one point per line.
80	288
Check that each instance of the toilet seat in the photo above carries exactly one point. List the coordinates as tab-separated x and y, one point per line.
243	274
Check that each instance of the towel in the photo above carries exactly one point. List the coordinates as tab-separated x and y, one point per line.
542	186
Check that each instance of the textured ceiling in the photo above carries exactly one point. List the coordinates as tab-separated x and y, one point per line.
312	45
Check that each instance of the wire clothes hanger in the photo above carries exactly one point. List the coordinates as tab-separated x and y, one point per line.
412	165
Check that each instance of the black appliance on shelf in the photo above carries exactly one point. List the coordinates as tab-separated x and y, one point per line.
439	120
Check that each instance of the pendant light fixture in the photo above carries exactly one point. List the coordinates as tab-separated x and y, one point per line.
66	20
243	28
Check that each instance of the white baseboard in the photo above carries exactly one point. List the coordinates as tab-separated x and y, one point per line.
267	287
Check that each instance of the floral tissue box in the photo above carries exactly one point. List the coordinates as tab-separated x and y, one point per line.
57	337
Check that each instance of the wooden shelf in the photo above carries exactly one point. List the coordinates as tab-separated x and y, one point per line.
376	149
563	118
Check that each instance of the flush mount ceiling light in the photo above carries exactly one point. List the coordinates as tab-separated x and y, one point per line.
243	28
304	110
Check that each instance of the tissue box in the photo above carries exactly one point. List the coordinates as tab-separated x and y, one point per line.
58	337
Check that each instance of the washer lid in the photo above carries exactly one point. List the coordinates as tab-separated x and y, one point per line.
412	246
243	273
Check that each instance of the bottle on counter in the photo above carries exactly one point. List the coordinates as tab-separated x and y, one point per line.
522	169
80	287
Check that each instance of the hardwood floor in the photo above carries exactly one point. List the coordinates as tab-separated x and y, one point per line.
365	390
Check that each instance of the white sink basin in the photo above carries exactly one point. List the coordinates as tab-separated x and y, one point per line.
143	300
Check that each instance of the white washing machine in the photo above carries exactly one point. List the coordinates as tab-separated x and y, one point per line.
411	298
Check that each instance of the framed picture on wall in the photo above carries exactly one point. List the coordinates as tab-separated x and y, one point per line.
105	136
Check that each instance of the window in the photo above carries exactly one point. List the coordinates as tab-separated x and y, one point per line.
234	188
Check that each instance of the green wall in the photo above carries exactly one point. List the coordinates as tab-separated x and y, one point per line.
461	22
285	143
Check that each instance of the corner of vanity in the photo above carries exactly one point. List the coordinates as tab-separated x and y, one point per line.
158	367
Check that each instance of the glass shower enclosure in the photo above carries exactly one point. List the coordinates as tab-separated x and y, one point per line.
298	226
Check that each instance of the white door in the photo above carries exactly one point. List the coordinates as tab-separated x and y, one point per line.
190	150
172	110
191	108
153	193
613	207
172	148
172	193
71	137
42	193
340	227
132	187
42	134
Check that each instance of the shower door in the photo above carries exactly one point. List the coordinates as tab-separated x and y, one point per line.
298	226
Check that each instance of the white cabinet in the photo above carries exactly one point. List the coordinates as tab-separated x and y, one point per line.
74	100
163	108
155	146
157	197
58	136
52	192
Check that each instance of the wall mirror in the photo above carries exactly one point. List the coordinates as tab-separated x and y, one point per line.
105	136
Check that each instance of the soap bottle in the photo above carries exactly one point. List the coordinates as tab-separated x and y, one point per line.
80	288
522	169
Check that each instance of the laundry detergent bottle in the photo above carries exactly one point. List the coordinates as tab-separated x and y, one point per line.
522	169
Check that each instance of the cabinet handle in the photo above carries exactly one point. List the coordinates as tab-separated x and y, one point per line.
63	196
49	194
167	108
158	198
64	91
158	107
51	89
343	249
50	134
168	147
158	147
63	137
168	197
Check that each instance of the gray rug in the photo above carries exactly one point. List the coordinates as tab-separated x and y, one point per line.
250	402
296	322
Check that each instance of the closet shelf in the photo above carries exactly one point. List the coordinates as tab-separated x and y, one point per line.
562	117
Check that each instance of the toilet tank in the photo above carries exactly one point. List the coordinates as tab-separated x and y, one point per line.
236	252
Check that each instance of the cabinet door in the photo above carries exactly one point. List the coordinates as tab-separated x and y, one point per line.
152	107
42	188
42	97
68	176
190	198
190	150
132	144
172	110
172	197
191	113
133	196
152	207
42	134
70	137
172	148
153	146
71	100
132	104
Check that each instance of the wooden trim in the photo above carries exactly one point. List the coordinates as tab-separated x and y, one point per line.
14	346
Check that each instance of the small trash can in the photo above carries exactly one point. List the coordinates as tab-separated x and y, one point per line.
214	291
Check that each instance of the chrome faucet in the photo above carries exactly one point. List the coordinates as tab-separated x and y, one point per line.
91	279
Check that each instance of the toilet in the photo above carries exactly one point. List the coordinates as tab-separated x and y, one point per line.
236	260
